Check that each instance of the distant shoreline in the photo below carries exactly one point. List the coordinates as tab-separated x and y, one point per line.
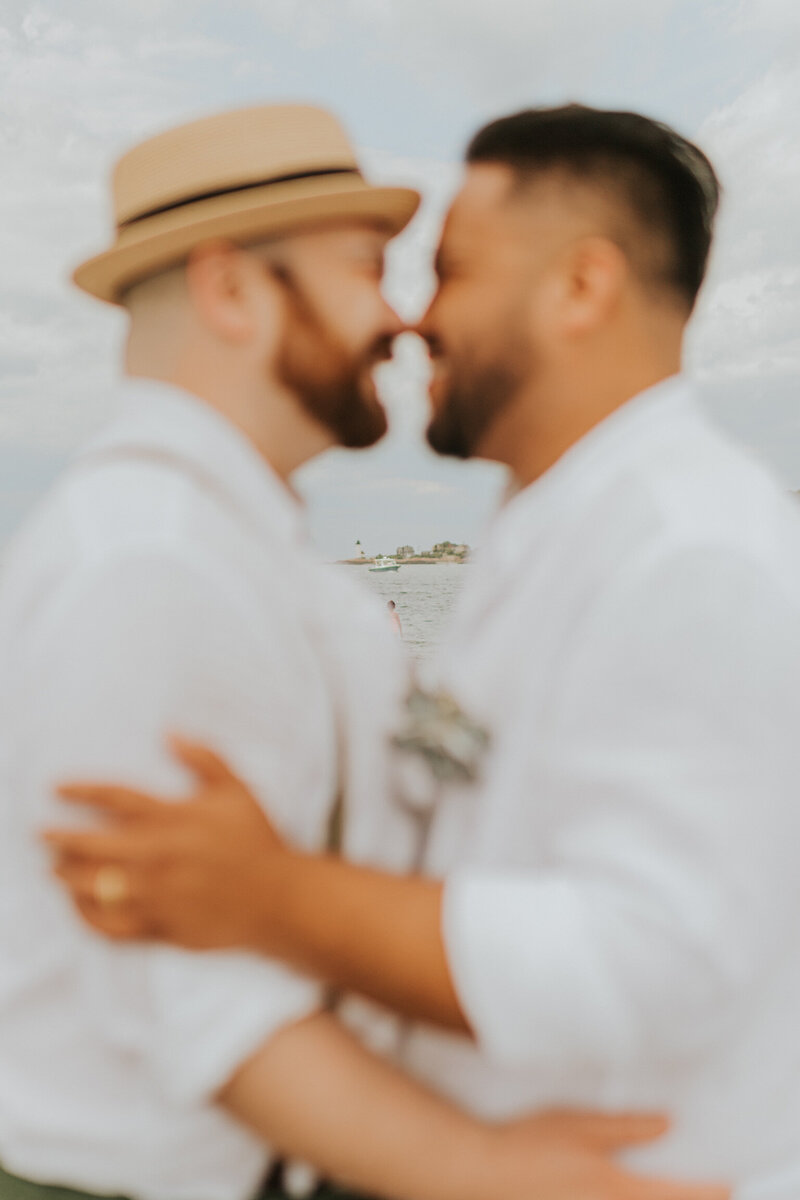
416	561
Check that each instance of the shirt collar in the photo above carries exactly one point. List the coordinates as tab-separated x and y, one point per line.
617	442
158	418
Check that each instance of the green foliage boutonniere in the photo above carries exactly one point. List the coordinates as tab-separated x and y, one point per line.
438	731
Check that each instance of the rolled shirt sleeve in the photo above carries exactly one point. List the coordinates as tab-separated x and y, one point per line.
213	1013
132	651
667	885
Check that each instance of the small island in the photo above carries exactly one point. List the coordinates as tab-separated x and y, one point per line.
442	552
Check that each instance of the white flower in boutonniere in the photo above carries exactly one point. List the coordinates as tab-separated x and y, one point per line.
443	736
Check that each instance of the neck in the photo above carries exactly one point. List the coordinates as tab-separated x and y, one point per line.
269	416
551	416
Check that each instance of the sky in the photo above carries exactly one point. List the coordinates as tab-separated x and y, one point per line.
82	80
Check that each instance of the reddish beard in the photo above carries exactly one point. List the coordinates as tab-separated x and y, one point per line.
333	386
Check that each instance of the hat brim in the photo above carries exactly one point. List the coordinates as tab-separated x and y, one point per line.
155	243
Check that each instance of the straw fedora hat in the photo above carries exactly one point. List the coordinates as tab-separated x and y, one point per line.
245	175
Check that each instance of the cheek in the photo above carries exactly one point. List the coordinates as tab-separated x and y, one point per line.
468	314
544	309
355	317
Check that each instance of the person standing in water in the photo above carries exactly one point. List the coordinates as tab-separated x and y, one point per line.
394	619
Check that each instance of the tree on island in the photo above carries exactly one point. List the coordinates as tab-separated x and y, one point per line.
449	550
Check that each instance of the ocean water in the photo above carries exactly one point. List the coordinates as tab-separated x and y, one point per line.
424	595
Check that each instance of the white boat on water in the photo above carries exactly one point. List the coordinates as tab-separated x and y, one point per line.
384	563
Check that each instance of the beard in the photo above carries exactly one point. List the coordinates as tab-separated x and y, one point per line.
332	385
477	394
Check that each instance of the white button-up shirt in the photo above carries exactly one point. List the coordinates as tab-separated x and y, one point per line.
622	905
162	586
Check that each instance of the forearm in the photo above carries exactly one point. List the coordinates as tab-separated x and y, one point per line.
363	931
315	1094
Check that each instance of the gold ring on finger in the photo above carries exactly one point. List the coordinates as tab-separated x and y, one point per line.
110	886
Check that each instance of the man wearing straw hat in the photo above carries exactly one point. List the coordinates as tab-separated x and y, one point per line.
164	584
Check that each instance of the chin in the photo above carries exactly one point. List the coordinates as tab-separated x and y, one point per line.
372	427
445	434
446	444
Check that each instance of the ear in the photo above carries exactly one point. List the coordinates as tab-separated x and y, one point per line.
223	289
595	274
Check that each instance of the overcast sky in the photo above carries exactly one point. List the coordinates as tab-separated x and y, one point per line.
80	80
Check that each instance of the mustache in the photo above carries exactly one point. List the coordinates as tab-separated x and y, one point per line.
434	345
381	350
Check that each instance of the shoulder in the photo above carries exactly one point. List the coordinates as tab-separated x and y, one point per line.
125	505
700	558
693	497
705	486
711	526
108	559
102	510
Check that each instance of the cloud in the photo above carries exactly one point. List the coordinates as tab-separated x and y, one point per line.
747	336
74	93
772	16
503	52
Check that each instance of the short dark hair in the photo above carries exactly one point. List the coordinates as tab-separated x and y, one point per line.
665	180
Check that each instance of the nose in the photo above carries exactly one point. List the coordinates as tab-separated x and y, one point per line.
424	328
394	324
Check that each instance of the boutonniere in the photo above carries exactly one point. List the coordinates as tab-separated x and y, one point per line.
438	732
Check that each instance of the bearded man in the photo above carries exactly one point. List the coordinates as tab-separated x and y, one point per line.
608	913
164	584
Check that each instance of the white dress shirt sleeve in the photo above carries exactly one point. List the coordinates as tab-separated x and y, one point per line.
129	652
669	883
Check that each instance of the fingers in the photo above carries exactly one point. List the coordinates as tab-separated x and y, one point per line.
122	920
202	761
125	803
100	846
615	1131
81	878
660	1189
607	1132
123	923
